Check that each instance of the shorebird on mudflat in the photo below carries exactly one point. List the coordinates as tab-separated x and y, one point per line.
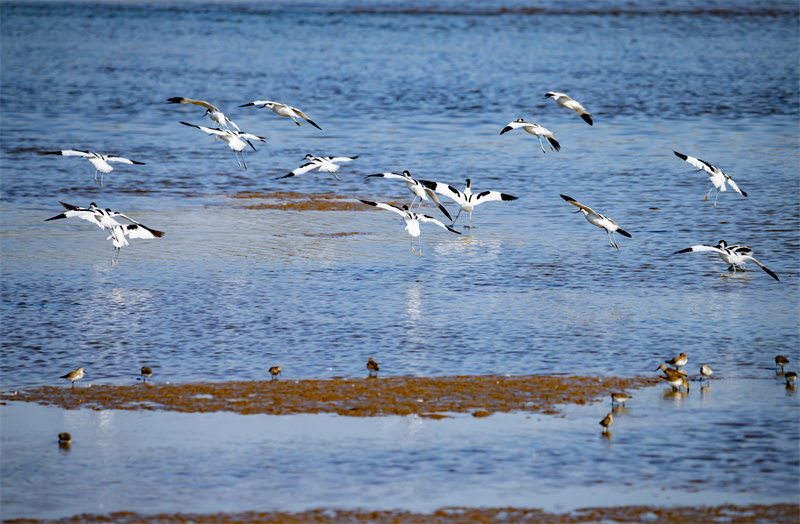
781	361
534	129
236	140
213	112
100	162
72	376
599	220
565	101
706	372
146	373
735	256
677	381
275	371
717	176
466	199
417	189
283	110
412	221
372	366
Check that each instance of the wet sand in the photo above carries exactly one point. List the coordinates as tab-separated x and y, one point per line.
433	397
775	514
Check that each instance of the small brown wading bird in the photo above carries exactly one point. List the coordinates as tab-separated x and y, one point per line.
275	371
669	372
619	398
146	373
781	361
606	422
64	438
678	361
372	366
676	381
790	377
72	376
706	372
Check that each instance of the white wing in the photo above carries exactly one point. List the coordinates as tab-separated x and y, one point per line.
735	187
699	164
697	249
388	175
141	231
209	130
426	218
72	152
304	117
446	190
180	100
388	207
489	196
578	204
514	125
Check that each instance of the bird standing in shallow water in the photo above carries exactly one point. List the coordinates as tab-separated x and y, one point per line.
781	361
619	398
412	221
565	101
466	199
705	372
606	422
146	373
790	377
275	371
72	376
678	361
736	256
372	366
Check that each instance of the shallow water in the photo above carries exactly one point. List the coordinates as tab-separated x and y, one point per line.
658	453
230	291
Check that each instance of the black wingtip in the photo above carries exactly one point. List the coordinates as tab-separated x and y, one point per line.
315	125
504	196
188	124
453	230
680	155
624	233
687	250
174	100
135	162
587	119
506	129
445	212
568	199
554	143
248	104
743	193
369	203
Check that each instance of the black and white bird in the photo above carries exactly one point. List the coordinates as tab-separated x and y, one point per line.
107	219
735	256
466	199
565	101
213	112
329	164
283	110
534	129
100	162
718	177
599	220
412	221
236	140
417	189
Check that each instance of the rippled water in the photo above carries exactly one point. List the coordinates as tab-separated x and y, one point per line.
231	289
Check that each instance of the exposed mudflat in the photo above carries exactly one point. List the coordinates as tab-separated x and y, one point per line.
775	514
362	397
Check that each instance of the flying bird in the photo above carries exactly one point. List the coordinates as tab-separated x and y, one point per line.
329	164
718	177
236	140
283	110
412	221
599	220
417	189
100	162
213	112
565	101
466	199
735	256
534	129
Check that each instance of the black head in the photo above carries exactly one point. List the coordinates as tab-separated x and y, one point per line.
469	183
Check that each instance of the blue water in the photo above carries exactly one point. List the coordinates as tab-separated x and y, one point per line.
231	290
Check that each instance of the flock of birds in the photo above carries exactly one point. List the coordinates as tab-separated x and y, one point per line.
228	131
678	378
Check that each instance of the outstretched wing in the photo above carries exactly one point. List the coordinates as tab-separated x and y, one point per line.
69	152
699	164
305	168
697	249
445	190
427	218
762	266
578	204
141	231
122	160
490	196
262	103
734	186
209	130
513	125
304	117
387	175
388	207
181	100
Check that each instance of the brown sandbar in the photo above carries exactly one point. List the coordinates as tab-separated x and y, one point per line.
360	397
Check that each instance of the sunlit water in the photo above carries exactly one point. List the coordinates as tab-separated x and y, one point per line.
230	291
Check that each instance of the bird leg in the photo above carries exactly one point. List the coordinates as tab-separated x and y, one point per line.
456	218
541	145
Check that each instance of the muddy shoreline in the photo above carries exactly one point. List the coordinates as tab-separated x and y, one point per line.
434	397
775	514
